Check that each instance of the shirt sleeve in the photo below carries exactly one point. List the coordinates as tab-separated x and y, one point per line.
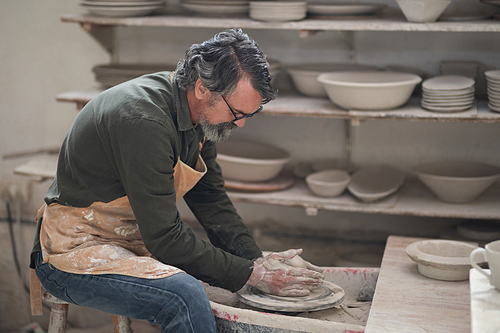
214	210
143	151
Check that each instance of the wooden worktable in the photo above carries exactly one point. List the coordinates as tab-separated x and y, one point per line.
406	301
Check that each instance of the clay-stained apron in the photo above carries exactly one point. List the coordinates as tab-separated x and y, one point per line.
104	238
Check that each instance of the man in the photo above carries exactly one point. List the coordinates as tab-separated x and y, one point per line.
110	236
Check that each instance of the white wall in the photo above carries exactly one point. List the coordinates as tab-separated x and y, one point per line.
42	57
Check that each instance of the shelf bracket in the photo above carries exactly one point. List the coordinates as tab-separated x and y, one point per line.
104	34
306	33
312	211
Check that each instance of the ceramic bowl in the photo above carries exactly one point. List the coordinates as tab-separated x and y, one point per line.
328	183
456	181
250	161
423	10
369	90
305	76
442	259
375	182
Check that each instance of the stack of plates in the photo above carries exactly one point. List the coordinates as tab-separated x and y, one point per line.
111	75
448	93
325	9
493	89
122	8
456	67
216	7
278	11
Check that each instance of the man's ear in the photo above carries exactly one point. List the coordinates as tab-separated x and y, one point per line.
200	91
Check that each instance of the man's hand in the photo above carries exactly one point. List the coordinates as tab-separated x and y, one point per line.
271	274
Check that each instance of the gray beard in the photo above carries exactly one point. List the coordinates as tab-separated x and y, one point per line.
217	133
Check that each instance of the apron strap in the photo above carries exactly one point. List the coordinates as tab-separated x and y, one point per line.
35	294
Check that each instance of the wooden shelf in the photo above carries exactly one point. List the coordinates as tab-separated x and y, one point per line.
412	199
302	106
395	22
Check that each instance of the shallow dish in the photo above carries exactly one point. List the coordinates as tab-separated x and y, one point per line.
448	82
375	182
305	76
369	90
324	296
442	259
423	10
250	161
328	183
457	181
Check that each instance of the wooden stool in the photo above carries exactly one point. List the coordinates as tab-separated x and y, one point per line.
59	309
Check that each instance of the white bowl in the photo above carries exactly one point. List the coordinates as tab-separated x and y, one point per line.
305	76
457	181
250	161
369	90
328	183
375	182
423	10
442	259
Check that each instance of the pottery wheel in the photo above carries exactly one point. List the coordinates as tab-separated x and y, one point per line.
325	296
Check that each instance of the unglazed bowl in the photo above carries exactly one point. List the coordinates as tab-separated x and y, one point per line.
250	161
457	181
369	91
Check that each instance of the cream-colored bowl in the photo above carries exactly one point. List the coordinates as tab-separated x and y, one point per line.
369	90
250	161
456	181
305	76
328	183
423	10
442	259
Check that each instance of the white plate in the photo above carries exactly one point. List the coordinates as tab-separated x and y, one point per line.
121	4
278	4
215	9
493	74
275	17
448	103
448	82
344	8
122	11
325	296
494	108
443	97
446	109
458	92
218	2
375	182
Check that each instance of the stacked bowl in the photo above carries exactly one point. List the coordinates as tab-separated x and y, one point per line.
216	7
493	89
448	93
122	8
278	11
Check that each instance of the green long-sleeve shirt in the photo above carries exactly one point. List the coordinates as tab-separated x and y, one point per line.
126	141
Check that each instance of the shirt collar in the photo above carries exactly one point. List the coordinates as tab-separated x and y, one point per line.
183	115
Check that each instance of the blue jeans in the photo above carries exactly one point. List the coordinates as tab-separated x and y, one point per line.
177	303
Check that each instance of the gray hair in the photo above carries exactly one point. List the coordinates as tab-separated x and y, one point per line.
220	63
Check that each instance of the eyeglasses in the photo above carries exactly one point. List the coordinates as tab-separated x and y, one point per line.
248	115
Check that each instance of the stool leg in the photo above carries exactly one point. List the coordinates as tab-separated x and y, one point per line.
58	317
121	324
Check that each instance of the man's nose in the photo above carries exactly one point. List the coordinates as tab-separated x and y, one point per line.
240	122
